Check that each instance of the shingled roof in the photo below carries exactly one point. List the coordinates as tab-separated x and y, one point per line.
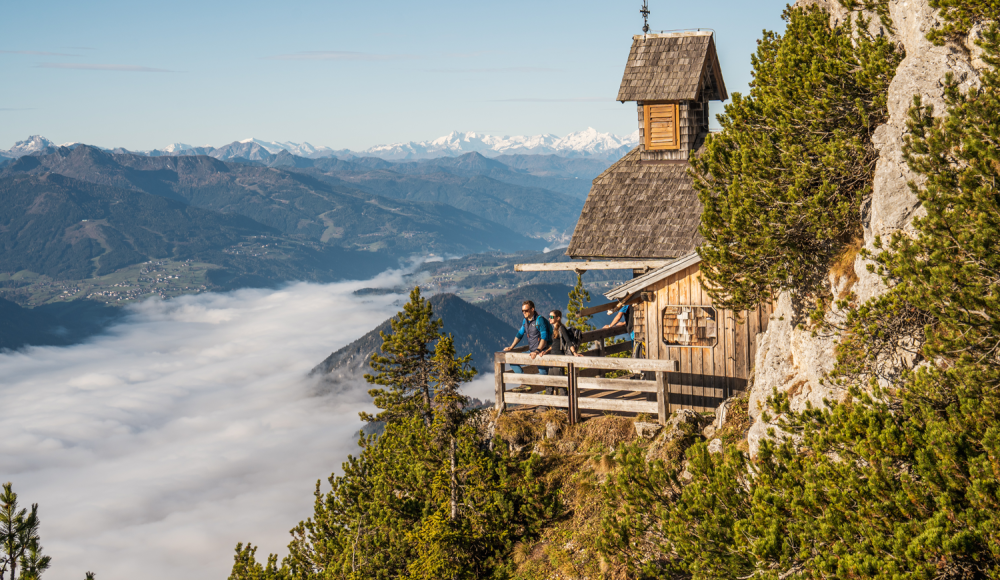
639	210
672	67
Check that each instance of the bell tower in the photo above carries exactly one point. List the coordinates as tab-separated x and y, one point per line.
672	77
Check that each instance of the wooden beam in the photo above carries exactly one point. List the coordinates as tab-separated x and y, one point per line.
533	399
616	385
601	333
597	309
613	349
592	362
627	405
574	394
662	396
498	376
588	265
535	380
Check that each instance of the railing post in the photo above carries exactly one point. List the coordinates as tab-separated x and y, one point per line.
662	397
498	363
571	390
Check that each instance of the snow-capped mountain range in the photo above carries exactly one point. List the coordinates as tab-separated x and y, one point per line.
273	147
33	144
586	143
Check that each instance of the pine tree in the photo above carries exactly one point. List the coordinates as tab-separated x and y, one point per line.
246	567
428	498
782	184
959	16
33	562
19	541
449	402
578	299
405	365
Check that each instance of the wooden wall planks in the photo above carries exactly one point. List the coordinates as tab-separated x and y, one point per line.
706	376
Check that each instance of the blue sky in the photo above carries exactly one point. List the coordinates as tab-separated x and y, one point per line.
342	74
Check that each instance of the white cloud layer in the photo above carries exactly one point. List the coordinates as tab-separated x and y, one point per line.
154	449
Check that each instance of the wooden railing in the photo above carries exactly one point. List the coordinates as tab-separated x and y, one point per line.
581	375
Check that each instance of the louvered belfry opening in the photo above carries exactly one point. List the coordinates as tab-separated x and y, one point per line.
661	126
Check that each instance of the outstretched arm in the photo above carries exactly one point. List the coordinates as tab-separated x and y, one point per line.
615	320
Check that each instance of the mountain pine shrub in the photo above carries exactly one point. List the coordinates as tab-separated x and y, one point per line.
783	182
960	16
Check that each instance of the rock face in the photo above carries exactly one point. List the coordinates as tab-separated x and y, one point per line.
647	430
791	359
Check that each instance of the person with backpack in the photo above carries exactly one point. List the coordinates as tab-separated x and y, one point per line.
538	331
563	343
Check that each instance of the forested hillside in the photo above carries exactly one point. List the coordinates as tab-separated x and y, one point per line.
291	203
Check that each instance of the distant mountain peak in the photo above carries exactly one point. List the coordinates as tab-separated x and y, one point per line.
32	144
177	148
586	142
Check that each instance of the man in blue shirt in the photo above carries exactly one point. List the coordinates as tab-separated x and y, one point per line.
538	331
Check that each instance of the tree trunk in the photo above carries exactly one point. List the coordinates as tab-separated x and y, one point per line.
454	484
427	407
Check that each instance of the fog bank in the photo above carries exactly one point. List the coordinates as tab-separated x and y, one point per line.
189	427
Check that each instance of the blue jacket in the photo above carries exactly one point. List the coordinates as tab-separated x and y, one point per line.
544	328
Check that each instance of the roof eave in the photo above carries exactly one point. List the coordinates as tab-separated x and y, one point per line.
650	278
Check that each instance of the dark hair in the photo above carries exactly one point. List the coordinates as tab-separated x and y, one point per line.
558	313
528	303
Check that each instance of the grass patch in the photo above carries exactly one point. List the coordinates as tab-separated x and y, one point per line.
843	266
738	422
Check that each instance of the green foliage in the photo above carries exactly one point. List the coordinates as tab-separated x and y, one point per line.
390	514
782	184
952	268
960	16
405	364
879	7
429	497
246	567
20	548
578	299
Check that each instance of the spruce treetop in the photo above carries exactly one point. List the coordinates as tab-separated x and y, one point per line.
405	365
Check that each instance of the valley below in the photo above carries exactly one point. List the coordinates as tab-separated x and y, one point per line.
83	224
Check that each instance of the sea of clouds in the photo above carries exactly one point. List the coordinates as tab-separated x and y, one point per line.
188	427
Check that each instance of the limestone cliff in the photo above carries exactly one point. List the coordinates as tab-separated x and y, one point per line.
791	359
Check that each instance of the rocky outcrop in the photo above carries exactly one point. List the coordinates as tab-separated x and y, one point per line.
791	359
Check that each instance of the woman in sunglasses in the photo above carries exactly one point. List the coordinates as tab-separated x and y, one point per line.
562	344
